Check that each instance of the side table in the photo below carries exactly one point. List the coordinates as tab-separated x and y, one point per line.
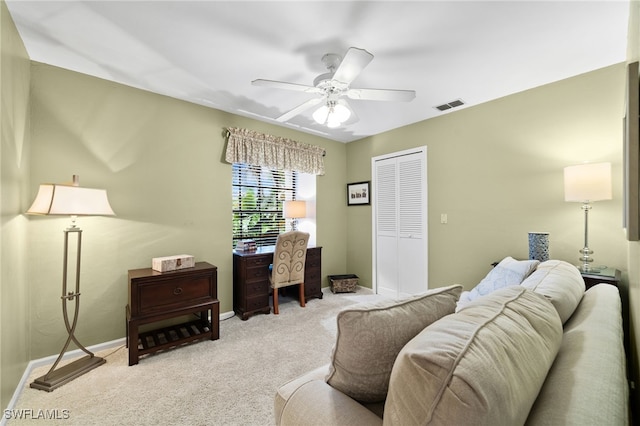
158	296
608	276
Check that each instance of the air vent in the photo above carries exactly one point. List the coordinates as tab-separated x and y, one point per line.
450	105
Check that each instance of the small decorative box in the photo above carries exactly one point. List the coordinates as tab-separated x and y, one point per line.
172	263
343	283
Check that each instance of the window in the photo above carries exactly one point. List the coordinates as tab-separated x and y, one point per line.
258	194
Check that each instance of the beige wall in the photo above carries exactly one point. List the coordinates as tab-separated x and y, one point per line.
161	161
496	170
14	163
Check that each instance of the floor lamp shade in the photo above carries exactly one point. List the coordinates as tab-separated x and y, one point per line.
54	199
586	183
73	200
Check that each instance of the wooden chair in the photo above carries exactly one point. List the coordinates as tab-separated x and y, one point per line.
288	264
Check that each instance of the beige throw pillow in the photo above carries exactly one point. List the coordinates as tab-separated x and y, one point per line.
481	366
371	335
561	283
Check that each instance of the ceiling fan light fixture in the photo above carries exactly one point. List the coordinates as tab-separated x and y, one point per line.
332	114
321	114
340	113
332	124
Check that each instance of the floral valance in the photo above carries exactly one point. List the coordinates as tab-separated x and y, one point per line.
259	149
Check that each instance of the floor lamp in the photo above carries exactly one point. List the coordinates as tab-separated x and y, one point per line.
294	210
586	183
73	200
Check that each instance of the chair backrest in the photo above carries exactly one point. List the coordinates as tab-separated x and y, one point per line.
289	259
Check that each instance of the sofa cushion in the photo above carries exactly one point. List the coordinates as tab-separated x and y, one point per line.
481	366
506	273
561	283
370	335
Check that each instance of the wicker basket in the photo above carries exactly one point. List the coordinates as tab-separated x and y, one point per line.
343	283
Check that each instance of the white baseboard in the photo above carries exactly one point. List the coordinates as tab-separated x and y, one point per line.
50	360
68	355
227	315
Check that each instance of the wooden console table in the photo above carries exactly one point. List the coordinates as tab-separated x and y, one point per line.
251	279
156	296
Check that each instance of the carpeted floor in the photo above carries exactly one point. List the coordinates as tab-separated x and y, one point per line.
231	381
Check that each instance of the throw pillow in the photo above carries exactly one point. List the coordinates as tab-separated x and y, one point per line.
506	273
371	335
561	283
484	365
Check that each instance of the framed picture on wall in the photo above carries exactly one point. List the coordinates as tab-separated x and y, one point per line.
631	152
358	193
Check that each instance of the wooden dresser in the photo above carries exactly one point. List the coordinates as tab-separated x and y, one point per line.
157	296
251	279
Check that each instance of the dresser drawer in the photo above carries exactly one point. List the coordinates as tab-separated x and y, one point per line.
162	295
257	261
312	274
257	273
257	303
312	263
257	288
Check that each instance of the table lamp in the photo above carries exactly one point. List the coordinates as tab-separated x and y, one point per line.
294	210
586	183
73	200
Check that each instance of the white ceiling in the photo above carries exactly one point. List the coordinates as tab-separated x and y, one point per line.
208	52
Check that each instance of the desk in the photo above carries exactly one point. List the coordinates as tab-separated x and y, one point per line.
251	279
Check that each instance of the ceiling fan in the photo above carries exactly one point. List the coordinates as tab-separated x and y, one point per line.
333	86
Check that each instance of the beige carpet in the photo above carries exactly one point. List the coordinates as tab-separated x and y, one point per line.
231	381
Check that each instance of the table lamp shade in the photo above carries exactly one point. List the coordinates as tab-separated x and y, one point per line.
54	199
587	182
294	209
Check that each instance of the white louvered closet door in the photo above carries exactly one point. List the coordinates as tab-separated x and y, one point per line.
400	210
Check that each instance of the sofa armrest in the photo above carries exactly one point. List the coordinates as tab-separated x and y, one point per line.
587	383
317	403
285	391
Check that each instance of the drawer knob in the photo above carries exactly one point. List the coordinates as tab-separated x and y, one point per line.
177	291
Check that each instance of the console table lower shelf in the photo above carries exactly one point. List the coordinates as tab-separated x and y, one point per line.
167	337
172	336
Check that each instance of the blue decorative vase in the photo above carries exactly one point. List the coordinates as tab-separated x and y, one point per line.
539	246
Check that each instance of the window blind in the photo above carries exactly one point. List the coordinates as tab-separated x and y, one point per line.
258	193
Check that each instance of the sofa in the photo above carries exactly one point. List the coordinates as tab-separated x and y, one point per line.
528	345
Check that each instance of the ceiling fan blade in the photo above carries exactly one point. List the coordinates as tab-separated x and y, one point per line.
286	86
352	64
382	95
297	110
